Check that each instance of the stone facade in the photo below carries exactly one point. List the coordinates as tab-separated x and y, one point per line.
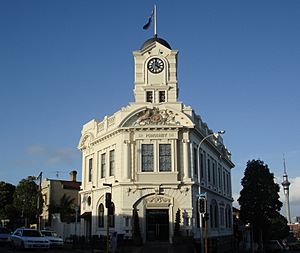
148	152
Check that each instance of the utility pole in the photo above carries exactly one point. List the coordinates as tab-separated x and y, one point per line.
38	200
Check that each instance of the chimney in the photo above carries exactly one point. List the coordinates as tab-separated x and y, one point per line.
73	175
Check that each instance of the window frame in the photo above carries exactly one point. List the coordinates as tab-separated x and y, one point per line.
149	96
90	169
148	157
112	162
103	165
165	156
162	96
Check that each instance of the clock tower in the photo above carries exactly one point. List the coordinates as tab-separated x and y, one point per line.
148	154
155	72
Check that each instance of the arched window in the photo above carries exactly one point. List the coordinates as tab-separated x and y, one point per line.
101	216
111	213
214	214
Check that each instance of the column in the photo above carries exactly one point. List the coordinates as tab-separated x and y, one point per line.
126	160
186	174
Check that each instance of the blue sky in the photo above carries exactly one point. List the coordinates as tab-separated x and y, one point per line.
65	62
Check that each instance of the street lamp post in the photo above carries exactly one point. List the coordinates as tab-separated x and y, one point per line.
199	186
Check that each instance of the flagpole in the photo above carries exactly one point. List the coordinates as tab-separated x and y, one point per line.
155	33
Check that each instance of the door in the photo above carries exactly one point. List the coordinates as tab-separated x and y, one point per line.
157	224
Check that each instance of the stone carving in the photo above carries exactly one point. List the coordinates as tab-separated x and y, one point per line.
158	200
156	117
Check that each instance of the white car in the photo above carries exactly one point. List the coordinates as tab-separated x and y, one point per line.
26	238
54	239
4	235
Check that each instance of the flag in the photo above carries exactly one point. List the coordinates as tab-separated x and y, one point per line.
146	26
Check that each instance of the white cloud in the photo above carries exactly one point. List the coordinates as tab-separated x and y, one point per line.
35	149
295	190
51	156
235	198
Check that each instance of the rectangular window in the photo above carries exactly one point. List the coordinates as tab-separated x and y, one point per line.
220	176
222	215
202	166
224	181
208	170
228	183
195	157
214	173
165	163
112	162
147	157
103	168
90	169
149	96
162	96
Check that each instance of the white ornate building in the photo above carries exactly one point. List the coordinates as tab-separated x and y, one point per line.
148	152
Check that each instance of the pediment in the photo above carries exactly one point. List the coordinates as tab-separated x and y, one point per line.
157	117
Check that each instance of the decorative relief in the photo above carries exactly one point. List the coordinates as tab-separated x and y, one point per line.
111	121
156	117
158	200
85	141
100	127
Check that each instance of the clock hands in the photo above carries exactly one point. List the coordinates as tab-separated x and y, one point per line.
155	65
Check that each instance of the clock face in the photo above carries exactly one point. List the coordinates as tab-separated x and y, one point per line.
156	65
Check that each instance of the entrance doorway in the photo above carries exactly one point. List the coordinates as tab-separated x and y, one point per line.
157	224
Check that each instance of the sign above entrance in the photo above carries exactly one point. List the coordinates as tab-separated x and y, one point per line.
156	135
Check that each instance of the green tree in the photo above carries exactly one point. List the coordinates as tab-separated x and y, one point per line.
259	199
279	228
67	211
6	198
65	207
25	200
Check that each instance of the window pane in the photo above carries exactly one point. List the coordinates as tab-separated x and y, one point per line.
162	97
103	169
202	166
147	157
112	163
195	157
90	169
208	170
165	157
149	96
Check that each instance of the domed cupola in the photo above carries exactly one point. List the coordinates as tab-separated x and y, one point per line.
155	39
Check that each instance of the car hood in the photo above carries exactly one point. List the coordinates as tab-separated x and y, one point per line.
31	238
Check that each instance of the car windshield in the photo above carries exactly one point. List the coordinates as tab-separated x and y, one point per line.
4	231
31	233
